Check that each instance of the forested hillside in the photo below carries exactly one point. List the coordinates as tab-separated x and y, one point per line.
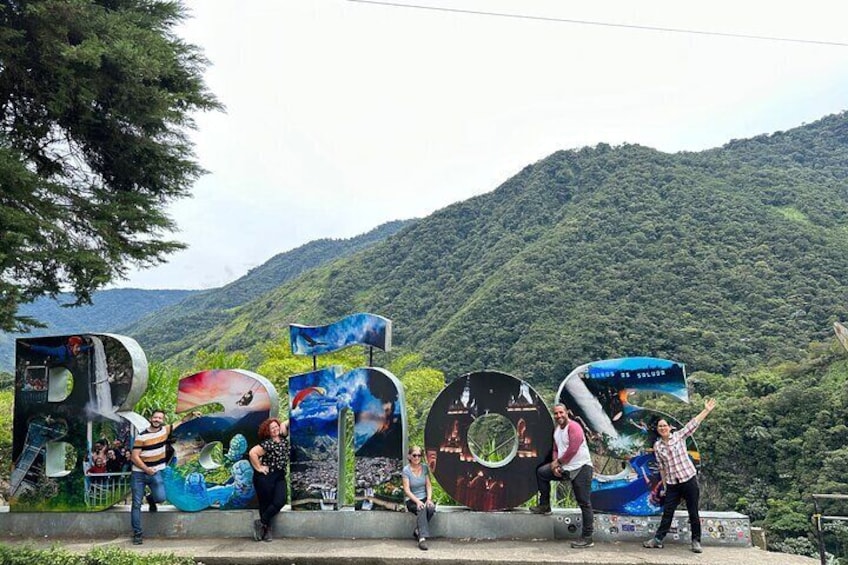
172	330
109	310
721	259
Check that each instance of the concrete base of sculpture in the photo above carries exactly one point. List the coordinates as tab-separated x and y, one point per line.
719	528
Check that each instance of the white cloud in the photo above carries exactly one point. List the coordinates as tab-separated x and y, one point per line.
344	115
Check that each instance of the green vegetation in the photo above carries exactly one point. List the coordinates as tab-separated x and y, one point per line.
7	398
725	260
96	100
491	438
25	555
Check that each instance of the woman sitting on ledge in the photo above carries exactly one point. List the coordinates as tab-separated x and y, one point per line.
419	494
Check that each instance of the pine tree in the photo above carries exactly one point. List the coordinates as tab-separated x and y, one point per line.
96	99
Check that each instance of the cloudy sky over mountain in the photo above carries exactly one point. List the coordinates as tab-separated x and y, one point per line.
342	115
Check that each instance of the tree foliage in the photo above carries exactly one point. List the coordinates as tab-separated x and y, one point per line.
96	98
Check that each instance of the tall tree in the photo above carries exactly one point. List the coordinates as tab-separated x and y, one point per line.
96	99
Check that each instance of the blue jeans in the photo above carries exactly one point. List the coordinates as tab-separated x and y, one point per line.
422	517
157	491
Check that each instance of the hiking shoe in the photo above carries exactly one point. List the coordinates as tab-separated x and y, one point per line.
696	547
137	539
541	509
653	543
266	534
151	504
582	543
258	530
422	545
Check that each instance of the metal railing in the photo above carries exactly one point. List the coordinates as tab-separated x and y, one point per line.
105	489
818	518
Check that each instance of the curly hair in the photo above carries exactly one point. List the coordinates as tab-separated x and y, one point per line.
265	428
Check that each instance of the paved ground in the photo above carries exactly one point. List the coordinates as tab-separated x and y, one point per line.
299	551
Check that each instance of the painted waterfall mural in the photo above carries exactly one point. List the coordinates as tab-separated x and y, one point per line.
71	427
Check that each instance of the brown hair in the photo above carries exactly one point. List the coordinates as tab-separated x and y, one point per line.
265	428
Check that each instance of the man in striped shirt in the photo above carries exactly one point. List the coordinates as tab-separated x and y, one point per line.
148	460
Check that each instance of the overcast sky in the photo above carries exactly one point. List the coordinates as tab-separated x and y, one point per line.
343	115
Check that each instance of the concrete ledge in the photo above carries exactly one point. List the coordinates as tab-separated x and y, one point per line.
719	528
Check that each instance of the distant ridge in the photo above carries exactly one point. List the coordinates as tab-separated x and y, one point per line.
109	310
171	330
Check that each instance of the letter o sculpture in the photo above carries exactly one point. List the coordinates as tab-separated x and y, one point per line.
468	479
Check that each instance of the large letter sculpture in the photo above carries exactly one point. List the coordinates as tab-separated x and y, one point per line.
71	428
210	466
318	402
473	480
598	396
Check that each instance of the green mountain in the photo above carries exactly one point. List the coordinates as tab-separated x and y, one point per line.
718	259
171	330
110	309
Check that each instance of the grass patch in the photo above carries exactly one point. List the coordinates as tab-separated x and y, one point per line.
26	555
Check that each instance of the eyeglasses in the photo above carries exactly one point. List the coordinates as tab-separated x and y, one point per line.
415	455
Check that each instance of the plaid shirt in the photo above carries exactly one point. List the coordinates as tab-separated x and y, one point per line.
674	461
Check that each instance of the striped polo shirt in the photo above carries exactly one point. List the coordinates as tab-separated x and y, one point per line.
152	446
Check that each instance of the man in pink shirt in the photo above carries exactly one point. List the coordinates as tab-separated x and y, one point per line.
572	462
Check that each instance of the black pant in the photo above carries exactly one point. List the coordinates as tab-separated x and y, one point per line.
581	485
271	491
691	493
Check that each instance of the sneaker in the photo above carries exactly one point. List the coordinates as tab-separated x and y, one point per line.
422	545
541	509
137	539
258	530
582	543
653	543
266	534
696	547
151	504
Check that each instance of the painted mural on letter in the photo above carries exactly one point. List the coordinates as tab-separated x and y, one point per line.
469	478
319	404
209	468
620	434
71	428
